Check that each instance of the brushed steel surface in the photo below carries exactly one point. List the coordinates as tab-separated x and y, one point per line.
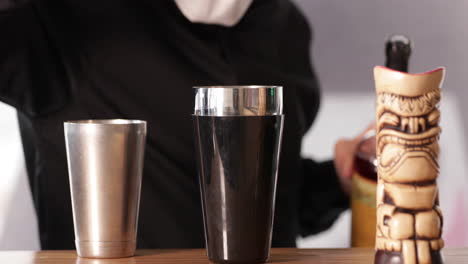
105	162
249	100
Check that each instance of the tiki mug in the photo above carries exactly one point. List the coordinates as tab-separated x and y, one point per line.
409	221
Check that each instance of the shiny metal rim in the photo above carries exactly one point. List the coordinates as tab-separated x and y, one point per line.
106	122
238	100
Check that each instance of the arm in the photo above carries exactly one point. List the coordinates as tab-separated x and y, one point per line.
32	77
322	199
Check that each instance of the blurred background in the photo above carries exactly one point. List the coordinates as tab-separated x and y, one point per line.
349	39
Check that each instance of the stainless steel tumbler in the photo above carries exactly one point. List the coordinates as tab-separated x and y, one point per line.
105	162
238	136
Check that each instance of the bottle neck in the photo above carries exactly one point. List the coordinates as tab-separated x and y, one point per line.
398	65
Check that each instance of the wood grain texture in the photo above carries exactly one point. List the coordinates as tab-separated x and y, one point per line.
195	256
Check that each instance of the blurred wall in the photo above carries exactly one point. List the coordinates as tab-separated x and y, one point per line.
349	37
18	227
348	41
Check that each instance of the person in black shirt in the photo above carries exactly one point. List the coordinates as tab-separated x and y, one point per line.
139	59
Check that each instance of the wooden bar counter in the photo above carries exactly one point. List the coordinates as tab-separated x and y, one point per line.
194	256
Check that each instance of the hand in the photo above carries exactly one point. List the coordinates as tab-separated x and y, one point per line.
345	149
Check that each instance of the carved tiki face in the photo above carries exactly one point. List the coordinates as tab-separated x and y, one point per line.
407	126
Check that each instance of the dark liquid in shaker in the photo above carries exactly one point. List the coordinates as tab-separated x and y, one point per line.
238	163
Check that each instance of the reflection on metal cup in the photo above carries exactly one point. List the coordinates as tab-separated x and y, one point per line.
238	136
80	260
105	162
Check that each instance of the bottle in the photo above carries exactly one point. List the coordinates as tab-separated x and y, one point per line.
364	180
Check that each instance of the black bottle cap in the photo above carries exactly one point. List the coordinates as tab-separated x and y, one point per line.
398	51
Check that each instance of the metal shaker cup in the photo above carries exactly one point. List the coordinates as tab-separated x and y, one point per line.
238	133
105	162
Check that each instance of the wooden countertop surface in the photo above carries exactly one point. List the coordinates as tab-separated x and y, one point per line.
195	256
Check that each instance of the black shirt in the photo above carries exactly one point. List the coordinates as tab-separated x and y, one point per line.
138	59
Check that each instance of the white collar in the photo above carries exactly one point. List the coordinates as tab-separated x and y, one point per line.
220	12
